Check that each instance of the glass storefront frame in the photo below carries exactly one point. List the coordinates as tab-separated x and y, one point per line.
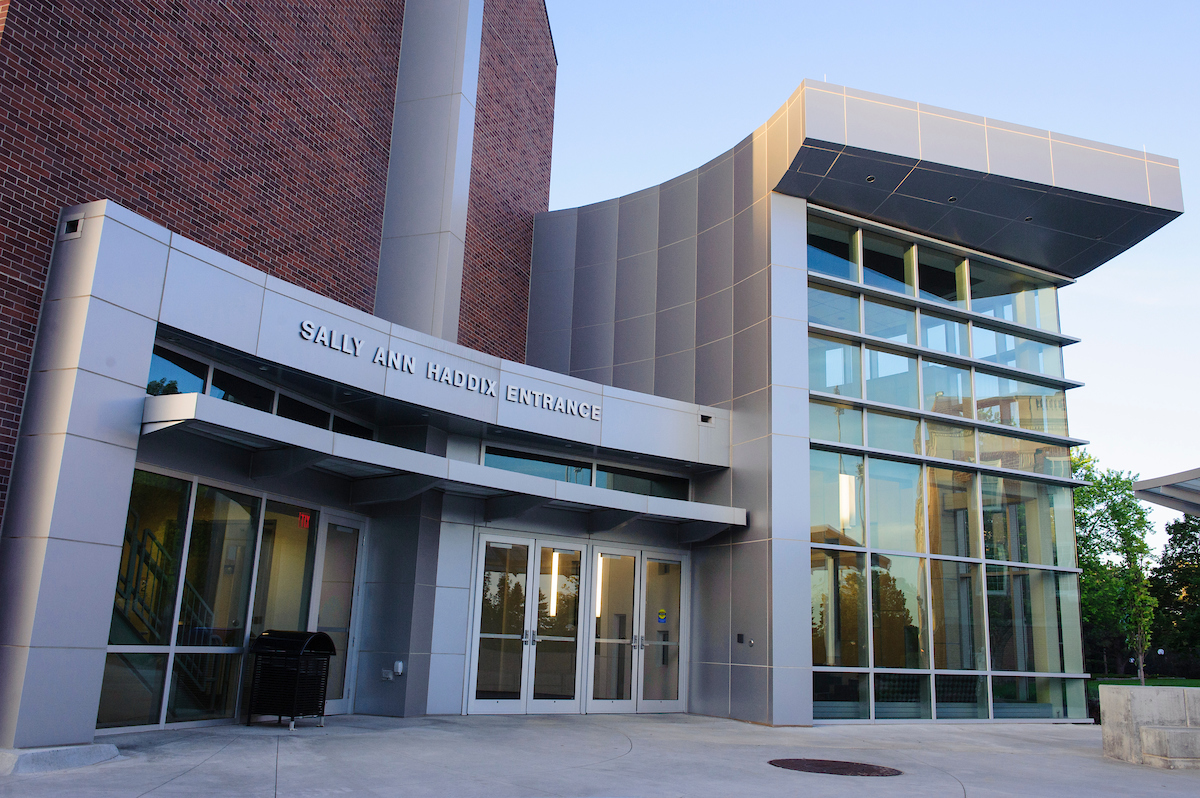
174	651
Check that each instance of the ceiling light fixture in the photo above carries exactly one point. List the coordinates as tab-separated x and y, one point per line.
952	200
870	178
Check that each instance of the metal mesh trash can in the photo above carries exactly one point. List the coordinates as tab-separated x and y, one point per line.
290	675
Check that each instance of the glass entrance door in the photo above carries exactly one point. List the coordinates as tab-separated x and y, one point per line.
527	652
335	610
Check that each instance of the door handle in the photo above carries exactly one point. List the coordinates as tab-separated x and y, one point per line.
524	637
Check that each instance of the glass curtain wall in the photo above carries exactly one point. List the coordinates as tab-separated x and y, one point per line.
939	590
180	622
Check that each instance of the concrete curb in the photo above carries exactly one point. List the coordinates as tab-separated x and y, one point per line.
41	760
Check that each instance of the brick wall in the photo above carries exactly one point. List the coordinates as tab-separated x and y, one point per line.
510	174
259	128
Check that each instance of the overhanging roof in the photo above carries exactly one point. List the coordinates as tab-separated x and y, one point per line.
1178	491
1062	204
381	473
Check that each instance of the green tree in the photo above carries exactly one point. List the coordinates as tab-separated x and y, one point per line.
1175	583
1111	527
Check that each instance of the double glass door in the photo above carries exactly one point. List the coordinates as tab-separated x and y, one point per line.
568	627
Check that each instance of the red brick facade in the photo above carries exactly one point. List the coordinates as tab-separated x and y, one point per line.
258	128
510	174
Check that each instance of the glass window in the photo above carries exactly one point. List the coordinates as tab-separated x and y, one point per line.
1027	522
1037	697
902	696
891	322
835	423
950	442
239	391
1014	297
144	604
839	608
1016	352
337	600
299	411
953	513
285	568
894	433
348	427
536	465
831	249
832	308
947	389
1021	404
216	585
838	497
944	335
203	687
885	263
892	378
942	277
833	366
958	629
960	696
898	612
1034	624
841	696
132	691
897	520
171	372
1003	451
641	482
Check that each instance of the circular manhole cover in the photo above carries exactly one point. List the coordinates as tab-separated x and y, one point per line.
834	767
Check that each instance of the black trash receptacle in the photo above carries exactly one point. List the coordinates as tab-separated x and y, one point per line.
291	672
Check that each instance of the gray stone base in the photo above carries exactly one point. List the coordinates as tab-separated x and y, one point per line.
40	760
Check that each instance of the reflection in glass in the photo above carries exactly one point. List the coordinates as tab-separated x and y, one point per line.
234	389
557	638
953	513
890	322
1037	697
944	335
1021	404
898	606
1014	297
642	482
144	604
285	568
1016	352
947	389
287	407
612	677
832	308
1004	451
538	465
132	690
897	520
886	263
660	656
894	433
891	378
960	697
502	621
203	687
841	696
835	423
902	696
943	277
1028	522
216	584
171	372
950	442
957	616
831	249
839	608
837	497
1033	617
833	366
337	599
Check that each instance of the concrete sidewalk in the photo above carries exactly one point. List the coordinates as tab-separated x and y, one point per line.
598	755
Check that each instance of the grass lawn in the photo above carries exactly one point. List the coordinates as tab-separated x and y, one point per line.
1093	685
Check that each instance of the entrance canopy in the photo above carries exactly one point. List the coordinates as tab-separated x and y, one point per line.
1178	491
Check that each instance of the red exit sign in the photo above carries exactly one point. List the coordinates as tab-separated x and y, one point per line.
304	518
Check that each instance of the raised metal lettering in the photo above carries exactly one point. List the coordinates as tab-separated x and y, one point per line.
380	357
490	389
585	409
409	364
460	378
322	337
595	412
511	393
307	330
432	370
472	382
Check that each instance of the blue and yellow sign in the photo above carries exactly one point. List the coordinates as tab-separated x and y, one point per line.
662	616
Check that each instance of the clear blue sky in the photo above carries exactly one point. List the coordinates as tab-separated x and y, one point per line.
648	90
